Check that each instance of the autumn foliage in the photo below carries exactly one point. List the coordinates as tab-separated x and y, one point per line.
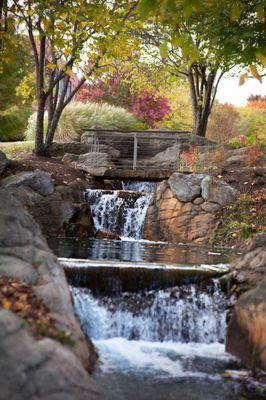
147	105
257	101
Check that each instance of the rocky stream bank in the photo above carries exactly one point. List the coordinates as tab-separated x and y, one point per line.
40	198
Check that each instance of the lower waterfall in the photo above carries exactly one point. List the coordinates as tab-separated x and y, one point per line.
179	314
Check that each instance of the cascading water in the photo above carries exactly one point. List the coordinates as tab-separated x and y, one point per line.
119	211
145	187
180	314
154	344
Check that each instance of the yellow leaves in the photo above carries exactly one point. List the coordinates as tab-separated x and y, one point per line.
254	71
260	11
235	12
64	16
69	71
242	79
51	66
262	58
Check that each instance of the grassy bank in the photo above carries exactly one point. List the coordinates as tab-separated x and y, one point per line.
15	150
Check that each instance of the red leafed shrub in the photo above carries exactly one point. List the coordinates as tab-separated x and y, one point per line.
147	106
190	157
150	108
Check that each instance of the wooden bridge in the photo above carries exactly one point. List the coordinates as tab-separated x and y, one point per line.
138	155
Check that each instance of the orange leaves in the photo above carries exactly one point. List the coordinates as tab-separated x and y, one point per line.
19	298
6	304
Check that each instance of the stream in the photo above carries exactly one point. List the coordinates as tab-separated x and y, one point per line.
156	312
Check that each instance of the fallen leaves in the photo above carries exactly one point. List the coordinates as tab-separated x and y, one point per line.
19	298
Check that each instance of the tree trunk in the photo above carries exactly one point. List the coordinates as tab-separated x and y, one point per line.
201	87
39	144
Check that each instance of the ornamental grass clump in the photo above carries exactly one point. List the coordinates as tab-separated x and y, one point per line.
78	116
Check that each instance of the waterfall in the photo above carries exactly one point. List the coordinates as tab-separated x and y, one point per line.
179	314
119	211
145	187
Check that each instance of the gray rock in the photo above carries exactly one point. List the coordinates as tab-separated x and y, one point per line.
87	137
51	212
24	254
167	158
59	149
210	207
41	369
186	187
218	191
94	163
198	200
39	181
3	161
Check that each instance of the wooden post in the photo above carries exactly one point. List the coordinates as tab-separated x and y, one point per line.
135	155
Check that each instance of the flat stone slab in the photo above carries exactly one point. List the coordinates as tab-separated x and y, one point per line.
112	277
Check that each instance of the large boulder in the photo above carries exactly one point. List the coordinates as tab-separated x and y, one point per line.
249	269
217	191
39	181
94	163
167	158
246	334
50	206
32	368
42	370
186	187
3	161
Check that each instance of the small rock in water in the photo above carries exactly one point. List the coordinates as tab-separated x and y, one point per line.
107	235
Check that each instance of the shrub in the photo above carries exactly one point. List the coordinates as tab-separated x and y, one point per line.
77	117
147	105
31	127
238	142
13	122
180	115
252	122
222	124
257	102
150	108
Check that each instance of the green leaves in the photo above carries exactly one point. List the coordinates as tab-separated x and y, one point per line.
235	12
146	6
163	50
260	11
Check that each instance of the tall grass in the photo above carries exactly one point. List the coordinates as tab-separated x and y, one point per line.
77	117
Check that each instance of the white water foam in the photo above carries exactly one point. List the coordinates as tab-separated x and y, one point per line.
165	359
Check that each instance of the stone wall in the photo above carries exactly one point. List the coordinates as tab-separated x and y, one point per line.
186	208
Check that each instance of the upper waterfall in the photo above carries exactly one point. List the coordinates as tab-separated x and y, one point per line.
119	211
